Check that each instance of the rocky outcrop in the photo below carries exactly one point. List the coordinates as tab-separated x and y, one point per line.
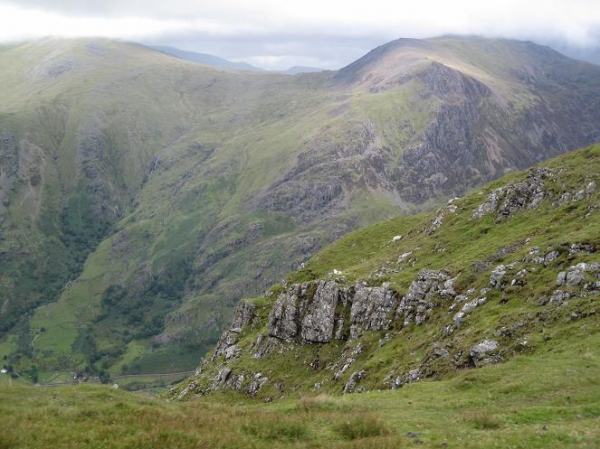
242	317
505	201
497	275
283	319
424	294
305	310
321	311
352	383
576	195
544	259
576	275
485	353
372	309
466	308
318	322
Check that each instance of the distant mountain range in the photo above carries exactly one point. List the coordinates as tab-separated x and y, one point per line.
216	61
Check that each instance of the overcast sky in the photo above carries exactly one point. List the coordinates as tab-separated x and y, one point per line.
276	34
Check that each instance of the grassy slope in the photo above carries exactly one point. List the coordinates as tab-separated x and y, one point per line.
536	401
459	246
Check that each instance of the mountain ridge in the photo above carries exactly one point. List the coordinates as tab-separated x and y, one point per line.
151	181
204	58
216	61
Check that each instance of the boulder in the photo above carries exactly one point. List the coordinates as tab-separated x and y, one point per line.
558	296
575	275
355	378
485	353
221	378
496	276
413	375
466	308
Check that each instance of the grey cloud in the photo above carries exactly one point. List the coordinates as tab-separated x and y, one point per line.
331	33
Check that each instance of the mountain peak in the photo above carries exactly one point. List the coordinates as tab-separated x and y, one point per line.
479	57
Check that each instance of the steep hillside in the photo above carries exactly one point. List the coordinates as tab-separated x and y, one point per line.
143	195
513	404
510	270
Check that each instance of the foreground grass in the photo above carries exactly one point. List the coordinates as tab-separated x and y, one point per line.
539	401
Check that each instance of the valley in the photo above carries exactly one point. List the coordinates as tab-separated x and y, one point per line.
528	242
142	196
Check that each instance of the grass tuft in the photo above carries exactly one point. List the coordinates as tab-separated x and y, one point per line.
275	429
320	403
484	421
362	427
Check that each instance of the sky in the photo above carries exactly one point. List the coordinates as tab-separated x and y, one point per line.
277	34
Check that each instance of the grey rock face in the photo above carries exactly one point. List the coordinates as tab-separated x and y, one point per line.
316	312
569	278
371	309
306	310
505	201
318	322
485	353
242	317
283	319
321	311
221	378
423	295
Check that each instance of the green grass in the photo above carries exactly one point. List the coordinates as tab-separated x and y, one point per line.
7	346
536	401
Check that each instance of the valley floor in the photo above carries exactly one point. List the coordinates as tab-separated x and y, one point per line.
544	400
